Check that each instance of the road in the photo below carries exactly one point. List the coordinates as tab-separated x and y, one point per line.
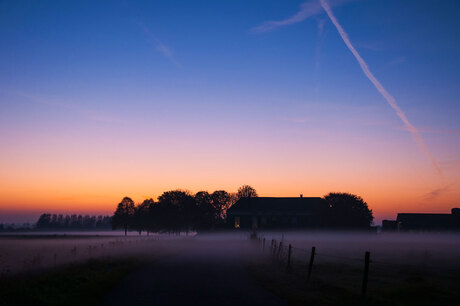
210	274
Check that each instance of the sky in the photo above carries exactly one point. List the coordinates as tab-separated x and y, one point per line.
105	99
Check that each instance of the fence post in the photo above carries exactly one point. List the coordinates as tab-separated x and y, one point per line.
263	244
280	249
274	248
366	272
310	264
289	257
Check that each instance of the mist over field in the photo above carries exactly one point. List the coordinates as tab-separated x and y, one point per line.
226	153
19	253
431	249
238	261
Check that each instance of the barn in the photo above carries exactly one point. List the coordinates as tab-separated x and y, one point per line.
429	222
274	213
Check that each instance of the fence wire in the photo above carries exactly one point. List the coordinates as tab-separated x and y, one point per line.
306	259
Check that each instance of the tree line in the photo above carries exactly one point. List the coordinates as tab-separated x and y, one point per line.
60	221
178	211
181	211
13	227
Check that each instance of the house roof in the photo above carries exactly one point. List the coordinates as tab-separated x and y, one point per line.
425	219
412	216
268	205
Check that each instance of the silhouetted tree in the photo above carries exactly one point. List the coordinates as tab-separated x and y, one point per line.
73	221
205	218
79	221
67	221
123	216
156	218
178	210
142	216
246	191
221	201
61	222
99	221
345	210
54	221
44	221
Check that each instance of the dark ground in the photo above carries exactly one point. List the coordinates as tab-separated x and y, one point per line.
73	285
215	276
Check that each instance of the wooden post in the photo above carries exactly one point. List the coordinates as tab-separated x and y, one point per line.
274	248
289	257
310	264
280	248
366	272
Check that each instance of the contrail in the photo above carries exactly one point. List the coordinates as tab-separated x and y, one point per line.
307	9
160	47
412	129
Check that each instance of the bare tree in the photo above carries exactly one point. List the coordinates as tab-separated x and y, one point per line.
246	191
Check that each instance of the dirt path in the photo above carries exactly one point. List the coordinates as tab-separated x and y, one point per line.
200	276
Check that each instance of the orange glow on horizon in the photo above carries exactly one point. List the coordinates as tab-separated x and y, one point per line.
59	173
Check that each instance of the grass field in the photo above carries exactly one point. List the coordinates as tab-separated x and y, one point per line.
23	253
407	270
72	270
336	282
76	284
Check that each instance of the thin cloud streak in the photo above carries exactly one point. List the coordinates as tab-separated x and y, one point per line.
412	129
159	46
434	131
321	23
307	10
436	193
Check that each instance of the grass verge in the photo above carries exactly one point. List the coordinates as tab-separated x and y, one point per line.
327	287
78	284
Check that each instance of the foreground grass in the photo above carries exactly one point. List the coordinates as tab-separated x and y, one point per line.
79	284
327	287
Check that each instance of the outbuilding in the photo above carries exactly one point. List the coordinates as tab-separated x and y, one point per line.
273	213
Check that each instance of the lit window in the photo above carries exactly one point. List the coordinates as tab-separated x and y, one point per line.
237	222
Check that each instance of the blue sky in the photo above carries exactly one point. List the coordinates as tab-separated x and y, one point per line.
196	70
66	48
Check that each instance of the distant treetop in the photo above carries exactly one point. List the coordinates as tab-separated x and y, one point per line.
246	191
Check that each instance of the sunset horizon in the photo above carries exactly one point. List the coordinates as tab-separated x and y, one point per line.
115	99
230	152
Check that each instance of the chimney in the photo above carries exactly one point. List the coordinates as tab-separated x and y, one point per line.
301	195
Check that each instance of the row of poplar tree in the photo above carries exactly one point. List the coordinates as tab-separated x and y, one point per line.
59	221
178	211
